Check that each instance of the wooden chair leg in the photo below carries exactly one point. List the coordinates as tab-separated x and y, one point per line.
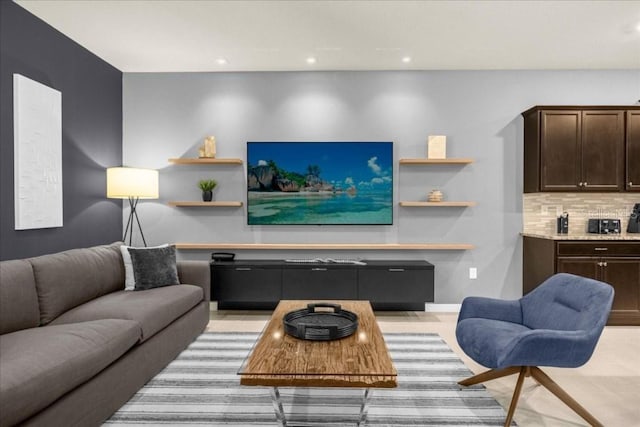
554	388
524	372
489	375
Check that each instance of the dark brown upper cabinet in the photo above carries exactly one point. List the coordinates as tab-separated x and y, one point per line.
632	176
586	148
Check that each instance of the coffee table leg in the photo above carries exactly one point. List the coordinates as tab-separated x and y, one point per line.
277	406
364	408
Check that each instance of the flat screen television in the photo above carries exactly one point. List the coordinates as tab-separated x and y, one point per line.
320	183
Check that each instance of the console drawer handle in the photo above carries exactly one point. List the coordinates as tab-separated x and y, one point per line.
601	249
318	269
396	269
243	268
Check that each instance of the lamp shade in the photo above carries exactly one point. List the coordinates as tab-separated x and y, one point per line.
123	183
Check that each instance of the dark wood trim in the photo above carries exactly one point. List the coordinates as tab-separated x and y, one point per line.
539	262
581	107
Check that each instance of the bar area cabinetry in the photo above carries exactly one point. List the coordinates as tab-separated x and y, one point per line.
616	262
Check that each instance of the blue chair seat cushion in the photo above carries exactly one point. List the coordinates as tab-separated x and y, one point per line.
498	344
487	341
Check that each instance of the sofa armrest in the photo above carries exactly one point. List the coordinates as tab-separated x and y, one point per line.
196	273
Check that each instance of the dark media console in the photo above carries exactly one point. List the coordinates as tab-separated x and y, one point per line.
260	284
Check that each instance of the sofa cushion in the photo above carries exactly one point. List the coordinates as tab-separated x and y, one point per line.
18	297
130	281
67	279
39	365
153	309
154	268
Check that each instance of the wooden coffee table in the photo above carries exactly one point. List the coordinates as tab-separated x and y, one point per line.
361	360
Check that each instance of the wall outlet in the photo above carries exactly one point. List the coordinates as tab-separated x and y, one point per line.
473	273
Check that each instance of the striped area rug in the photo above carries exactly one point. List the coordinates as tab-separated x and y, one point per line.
201	388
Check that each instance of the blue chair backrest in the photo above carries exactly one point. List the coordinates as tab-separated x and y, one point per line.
569	303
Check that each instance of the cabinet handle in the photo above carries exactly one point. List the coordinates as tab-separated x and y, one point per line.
630	183
243	268
604	264
396	269
600	264
584	183
600	249
579	184
318	269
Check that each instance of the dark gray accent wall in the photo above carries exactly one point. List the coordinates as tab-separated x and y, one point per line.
91	134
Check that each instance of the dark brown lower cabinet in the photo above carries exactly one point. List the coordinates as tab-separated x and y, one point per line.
613	262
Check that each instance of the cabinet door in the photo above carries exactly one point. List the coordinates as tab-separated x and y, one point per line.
560	160
580	266
602	150
633	151
319	283
624	275
394	287
246	284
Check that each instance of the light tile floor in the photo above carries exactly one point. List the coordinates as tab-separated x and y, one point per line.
608	385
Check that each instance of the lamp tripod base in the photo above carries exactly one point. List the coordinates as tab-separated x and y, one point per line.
133	215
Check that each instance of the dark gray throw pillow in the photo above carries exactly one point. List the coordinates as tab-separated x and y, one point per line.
153	268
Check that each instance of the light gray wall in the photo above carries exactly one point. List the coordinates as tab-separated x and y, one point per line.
168	115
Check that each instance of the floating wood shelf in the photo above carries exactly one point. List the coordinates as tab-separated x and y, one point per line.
436	204
329	246
206	204
451	161
205	161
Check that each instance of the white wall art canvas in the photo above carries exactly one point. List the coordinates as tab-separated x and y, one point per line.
37	124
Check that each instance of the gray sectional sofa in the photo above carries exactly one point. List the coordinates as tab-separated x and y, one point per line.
75	346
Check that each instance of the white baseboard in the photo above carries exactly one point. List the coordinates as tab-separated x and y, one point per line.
442	308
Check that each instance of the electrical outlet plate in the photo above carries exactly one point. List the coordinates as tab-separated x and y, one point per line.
473	273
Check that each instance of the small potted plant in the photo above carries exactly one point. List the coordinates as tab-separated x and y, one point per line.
207	186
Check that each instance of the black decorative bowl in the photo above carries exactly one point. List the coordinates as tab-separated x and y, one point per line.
309	324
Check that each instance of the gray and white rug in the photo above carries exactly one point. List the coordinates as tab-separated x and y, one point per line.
201	388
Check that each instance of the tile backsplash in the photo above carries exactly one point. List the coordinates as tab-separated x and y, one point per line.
540	210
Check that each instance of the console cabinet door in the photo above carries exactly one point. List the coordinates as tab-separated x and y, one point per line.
246	284
320	282
602	150
632	179
397	286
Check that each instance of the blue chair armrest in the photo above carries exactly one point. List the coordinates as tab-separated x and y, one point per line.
491	308
548	347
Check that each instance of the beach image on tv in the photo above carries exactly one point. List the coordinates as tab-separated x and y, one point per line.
320	183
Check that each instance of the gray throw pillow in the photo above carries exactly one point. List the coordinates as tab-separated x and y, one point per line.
153	268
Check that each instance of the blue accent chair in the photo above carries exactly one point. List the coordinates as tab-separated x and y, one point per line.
557	324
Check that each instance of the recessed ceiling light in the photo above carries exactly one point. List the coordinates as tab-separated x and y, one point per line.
311	60
406	59
222	61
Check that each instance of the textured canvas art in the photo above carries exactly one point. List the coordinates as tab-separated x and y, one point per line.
37	113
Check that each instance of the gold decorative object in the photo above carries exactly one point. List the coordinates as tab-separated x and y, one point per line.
208	149
435	196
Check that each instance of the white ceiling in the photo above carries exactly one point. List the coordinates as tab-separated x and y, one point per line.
160	36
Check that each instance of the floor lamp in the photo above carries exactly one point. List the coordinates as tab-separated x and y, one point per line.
132	184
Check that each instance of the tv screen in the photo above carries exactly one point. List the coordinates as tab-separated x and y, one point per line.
320	183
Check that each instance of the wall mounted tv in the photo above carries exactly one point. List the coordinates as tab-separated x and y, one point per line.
320	183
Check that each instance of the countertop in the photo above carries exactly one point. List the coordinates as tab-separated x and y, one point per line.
623	236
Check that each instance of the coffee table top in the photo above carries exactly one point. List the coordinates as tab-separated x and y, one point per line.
360	360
